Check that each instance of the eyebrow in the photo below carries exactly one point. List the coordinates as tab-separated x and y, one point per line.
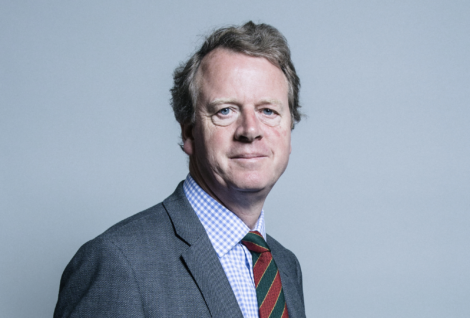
219	101
270	101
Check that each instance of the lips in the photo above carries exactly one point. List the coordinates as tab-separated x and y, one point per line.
248	156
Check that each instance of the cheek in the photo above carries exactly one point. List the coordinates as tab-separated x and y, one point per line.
219	137
281	136
281	141
214	143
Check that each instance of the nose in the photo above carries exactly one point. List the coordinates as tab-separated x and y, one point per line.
248	127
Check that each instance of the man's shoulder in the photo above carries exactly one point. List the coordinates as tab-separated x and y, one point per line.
131	238
285	257
278	248
124	270
141	229
149	218
137	224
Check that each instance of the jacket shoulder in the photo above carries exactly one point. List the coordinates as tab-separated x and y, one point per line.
153	222
278	248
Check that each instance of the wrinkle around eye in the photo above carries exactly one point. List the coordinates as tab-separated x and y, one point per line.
220	119
273	119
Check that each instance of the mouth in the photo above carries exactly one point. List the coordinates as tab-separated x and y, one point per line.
249	156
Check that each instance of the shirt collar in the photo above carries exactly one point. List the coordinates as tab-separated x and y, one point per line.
224	228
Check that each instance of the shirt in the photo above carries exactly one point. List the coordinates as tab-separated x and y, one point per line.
225	231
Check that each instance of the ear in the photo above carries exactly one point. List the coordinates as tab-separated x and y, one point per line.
188	139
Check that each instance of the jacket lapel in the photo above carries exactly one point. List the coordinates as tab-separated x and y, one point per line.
204	265
200	257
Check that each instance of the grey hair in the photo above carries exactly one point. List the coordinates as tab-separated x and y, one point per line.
258	40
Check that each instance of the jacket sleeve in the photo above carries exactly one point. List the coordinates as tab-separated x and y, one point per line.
99	282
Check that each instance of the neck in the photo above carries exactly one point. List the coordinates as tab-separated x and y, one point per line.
247	205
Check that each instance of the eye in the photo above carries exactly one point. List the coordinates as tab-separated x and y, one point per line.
224	111
225	116
268	111
269	116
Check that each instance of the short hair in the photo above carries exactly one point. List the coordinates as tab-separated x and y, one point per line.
258	40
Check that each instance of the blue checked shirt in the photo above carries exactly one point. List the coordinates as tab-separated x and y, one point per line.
225	231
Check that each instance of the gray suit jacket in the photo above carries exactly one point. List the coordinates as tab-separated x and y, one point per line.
161	263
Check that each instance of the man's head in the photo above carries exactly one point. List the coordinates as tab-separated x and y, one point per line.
260	40
237	101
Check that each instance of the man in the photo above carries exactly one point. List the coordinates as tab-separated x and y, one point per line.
203	252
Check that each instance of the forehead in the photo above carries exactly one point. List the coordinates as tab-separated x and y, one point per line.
223	56
223	68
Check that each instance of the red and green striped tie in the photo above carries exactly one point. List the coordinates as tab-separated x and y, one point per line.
269	292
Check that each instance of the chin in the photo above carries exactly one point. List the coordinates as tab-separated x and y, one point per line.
252	183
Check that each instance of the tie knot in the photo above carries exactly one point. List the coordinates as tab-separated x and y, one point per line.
255	242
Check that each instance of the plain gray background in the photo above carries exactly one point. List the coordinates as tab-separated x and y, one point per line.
375	202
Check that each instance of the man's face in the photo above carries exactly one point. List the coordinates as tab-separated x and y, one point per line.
241	137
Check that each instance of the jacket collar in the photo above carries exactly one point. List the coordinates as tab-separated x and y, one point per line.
200	257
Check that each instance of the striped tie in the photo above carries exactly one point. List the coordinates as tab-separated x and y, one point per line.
269	292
